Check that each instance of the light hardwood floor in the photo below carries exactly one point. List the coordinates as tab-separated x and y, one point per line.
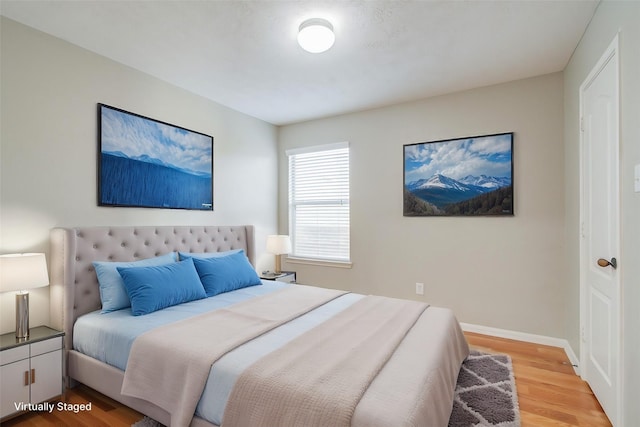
549	393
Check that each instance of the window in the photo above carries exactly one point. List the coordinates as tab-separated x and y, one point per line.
319	202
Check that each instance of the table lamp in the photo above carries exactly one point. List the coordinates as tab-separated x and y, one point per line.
278	245
19	272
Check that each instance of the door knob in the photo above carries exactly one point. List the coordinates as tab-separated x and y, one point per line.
604	263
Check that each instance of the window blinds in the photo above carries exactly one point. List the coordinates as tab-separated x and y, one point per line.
319	202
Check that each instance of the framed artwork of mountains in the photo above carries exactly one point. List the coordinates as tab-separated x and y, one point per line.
459	177
148	163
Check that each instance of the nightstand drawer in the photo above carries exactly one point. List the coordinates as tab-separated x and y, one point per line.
46	346
14	354
284	276
290	277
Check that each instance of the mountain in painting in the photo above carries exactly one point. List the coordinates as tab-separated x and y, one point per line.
441	190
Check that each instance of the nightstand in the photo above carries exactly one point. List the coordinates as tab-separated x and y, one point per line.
30	369
285	276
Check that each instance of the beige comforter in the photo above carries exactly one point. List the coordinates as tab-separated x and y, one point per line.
318	379
408	381
169	366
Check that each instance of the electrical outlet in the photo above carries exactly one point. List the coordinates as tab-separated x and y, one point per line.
636	181
420	288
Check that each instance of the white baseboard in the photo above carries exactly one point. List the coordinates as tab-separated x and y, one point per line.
523	336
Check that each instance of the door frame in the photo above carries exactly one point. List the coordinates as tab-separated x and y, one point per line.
612	53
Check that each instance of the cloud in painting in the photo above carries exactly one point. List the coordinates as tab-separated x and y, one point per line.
137	136
487	155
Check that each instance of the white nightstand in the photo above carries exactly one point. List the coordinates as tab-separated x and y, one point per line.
30	368
285	276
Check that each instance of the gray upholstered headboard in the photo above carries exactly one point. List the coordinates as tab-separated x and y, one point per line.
74	286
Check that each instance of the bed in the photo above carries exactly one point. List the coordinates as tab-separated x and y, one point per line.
234	371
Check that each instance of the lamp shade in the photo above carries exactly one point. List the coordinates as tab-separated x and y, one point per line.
278	244
23	271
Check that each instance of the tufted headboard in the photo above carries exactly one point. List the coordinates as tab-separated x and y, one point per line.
74	287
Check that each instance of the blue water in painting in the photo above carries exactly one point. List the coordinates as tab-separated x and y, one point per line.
130	182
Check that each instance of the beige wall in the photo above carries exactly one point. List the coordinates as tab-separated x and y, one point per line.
49	148
500	272
611	18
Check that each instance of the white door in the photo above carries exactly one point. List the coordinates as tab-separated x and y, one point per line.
601	356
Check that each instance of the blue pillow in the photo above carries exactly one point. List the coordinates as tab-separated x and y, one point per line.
204	255
154	288
226	273
112	293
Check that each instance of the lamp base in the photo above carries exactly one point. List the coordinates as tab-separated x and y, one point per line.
22	314
278	264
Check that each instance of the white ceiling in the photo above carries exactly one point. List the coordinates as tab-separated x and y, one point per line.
244	54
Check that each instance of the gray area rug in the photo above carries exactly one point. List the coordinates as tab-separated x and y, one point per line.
147	422
485	395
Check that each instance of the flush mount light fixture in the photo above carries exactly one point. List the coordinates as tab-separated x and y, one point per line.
316	35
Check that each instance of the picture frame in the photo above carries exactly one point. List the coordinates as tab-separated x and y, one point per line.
470	176
143	162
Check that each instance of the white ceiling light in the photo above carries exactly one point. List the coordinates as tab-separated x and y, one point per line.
316	35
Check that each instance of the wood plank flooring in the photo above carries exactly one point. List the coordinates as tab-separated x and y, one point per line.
549	393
